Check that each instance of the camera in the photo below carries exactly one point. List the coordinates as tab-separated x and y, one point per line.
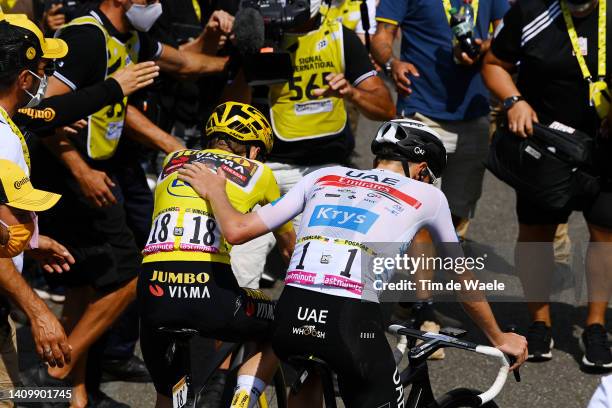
279	16
259	28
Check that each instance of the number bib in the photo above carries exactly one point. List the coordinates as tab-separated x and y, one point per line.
188	230
180	393
295	112
333	264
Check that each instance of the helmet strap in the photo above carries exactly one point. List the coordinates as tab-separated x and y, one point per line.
406	167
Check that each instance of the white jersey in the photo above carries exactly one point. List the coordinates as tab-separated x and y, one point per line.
346	212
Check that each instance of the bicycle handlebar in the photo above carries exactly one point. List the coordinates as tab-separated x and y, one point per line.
502	374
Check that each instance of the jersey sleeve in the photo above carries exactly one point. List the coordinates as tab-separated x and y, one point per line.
392	11
285	208
62	110
85	62
443	233
508	36
358	65
271	195
440	224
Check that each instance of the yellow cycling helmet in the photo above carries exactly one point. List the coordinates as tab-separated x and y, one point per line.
242	123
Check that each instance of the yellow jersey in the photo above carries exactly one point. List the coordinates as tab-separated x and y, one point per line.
184	226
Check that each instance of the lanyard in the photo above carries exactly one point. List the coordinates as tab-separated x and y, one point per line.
448	7
15	129
601	41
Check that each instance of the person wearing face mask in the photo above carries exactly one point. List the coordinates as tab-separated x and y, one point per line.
23	55
563	47
18	232
83	167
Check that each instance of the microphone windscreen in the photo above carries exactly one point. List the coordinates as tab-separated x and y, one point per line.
249	31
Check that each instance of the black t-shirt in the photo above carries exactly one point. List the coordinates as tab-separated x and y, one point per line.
534	34
85	63
335	148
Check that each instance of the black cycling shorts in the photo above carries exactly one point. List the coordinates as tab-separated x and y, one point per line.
349	335
204	296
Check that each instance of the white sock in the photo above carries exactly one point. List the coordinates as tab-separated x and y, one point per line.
247	391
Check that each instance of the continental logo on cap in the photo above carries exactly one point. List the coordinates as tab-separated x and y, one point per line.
31	53
20	183
47	114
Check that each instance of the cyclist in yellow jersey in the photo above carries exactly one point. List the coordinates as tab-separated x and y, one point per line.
186	278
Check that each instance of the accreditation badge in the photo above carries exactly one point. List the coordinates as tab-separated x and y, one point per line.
599	97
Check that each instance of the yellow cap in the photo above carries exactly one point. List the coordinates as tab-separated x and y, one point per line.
51	47
17	191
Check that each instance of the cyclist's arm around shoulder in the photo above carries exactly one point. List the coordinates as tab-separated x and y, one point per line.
285	234
236	227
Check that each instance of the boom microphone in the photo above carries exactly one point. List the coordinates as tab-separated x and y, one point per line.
249	31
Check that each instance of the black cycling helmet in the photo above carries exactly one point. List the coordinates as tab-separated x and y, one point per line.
411	141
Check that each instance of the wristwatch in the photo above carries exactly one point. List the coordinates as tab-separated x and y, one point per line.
388	67
509	102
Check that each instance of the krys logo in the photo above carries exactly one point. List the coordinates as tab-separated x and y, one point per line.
356	219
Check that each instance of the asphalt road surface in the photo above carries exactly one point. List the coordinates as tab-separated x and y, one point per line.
558	383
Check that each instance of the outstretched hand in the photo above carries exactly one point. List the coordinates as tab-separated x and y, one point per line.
202	179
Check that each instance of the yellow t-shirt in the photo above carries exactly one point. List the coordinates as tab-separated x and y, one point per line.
184	226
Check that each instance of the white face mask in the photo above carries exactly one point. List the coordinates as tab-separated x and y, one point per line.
142	17
40	92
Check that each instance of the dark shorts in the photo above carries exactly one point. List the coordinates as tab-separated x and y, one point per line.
197	295
100	240
597	210
347	334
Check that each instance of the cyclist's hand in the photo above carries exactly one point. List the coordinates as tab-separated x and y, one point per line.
520	119
338	86
96	187
202	179
136	76
401	70
52	255
515	345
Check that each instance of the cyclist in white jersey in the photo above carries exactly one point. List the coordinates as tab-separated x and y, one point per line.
327	306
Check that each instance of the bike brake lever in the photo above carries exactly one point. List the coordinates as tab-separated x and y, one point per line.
517	375
511	359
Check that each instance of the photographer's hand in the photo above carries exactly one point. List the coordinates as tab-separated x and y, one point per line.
520	119
464	59
401	70
54	18
338	87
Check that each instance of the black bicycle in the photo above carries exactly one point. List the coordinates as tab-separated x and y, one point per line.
184	393
416	374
